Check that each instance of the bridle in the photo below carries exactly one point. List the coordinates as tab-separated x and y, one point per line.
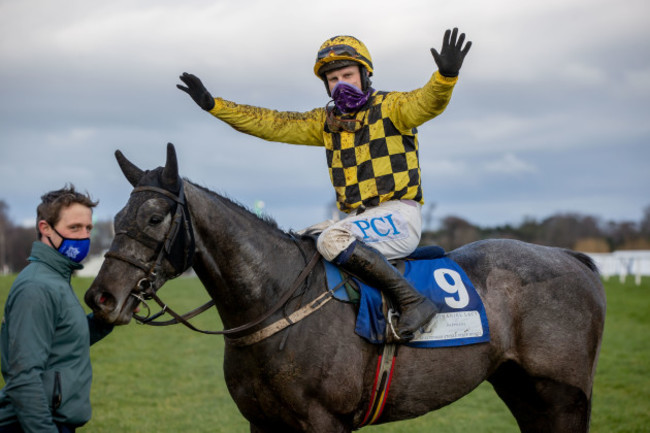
145	290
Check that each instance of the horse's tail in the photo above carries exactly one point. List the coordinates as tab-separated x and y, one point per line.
585	260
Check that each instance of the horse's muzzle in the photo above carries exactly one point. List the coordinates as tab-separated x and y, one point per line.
108	308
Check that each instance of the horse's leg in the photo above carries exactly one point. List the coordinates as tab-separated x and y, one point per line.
542	404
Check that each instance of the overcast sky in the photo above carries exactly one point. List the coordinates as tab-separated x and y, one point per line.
551	112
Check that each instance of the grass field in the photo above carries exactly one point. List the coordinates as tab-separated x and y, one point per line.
171	379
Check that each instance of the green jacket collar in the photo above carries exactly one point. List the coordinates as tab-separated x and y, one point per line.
45	254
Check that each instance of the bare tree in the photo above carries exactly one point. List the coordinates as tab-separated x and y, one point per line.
456	232
644	226
565	230
4	222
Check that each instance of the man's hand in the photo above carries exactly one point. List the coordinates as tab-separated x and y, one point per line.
197	91
452	54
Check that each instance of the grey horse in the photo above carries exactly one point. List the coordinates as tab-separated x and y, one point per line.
545	307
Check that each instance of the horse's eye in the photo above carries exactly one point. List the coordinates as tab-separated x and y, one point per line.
155	220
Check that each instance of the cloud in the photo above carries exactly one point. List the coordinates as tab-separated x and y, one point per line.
552	100
509	164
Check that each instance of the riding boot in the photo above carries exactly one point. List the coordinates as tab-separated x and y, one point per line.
372	267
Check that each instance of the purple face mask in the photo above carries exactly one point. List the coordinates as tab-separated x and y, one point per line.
348	98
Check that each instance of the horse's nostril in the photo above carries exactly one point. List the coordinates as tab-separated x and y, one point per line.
106	301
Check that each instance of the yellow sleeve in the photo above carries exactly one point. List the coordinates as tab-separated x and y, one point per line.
284	126
411	109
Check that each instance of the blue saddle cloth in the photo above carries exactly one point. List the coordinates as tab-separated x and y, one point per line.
461	319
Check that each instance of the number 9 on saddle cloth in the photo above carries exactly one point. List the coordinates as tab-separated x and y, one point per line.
461	320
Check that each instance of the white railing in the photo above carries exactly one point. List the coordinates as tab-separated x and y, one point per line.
623	263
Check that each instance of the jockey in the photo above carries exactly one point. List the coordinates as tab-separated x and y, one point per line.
371	145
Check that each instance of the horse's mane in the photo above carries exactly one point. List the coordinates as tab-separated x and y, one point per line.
233	204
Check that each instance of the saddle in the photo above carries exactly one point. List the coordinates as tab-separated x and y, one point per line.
461	319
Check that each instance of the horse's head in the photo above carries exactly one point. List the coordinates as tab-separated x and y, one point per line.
153	241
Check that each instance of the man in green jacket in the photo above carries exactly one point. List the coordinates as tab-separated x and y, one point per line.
371	146
46	336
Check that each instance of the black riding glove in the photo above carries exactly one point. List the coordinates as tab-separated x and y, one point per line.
452	54
197	91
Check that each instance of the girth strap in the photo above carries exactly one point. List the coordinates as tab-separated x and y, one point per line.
381	385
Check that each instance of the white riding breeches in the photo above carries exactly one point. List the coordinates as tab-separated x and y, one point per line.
393	228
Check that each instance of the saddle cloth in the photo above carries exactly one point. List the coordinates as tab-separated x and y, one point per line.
461	319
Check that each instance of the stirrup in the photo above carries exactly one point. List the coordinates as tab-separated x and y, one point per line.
391	326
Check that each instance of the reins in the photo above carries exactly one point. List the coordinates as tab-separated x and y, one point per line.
144	289
183	319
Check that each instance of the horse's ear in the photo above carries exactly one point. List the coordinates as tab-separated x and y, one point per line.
170	172
132	173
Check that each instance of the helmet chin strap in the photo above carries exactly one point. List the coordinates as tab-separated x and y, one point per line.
365	78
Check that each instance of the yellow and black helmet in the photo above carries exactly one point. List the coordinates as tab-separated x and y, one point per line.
341	51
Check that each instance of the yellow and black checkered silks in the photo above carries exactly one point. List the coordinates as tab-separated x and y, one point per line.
375	164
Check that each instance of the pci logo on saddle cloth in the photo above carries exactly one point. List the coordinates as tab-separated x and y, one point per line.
461	319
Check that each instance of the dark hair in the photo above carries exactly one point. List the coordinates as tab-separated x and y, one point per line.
53	201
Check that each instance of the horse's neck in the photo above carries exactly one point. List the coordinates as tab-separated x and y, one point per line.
243	262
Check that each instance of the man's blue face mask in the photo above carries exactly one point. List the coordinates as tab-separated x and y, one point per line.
75	249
